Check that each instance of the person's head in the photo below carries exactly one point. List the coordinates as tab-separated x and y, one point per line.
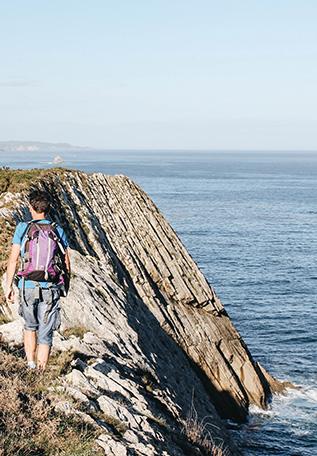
39	203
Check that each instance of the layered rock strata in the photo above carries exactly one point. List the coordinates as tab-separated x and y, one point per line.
139	291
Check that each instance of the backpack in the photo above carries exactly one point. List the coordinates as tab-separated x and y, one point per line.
42	254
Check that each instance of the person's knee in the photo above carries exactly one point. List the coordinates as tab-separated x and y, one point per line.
45	334
30	324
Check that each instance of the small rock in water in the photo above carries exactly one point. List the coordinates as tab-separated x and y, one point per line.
58	159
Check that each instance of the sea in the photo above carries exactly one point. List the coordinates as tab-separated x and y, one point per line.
249	220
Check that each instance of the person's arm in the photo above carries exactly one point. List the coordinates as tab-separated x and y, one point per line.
11	268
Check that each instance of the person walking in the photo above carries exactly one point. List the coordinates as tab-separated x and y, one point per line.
42	246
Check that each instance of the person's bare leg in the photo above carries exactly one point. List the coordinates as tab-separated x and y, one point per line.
30	344
43	353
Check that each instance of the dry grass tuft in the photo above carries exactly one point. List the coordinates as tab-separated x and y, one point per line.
158	419
29	424
78	331
4	319
198	432
119	427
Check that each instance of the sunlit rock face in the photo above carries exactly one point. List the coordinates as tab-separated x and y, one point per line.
160	345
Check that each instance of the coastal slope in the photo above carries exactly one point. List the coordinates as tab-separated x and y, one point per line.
155	326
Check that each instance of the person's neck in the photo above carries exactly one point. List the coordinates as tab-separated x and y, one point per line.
39	216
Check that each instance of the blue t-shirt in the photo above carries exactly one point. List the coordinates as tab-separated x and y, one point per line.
18	236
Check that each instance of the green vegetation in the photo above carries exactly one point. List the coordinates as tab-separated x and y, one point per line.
18	180
29	424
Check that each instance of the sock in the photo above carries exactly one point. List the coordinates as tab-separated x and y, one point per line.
31	364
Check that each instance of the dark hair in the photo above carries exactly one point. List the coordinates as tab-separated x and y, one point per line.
39	200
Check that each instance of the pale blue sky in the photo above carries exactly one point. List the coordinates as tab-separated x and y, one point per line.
160	74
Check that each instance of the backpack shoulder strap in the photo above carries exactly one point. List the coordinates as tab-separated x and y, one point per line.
59	241
28	225
24	237
54	229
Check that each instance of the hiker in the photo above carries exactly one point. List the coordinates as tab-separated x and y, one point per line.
45	269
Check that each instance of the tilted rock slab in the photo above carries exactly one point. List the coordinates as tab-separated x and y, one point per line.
138	289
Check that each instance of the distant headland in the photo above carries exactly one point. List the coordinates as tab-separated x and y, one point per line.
37	146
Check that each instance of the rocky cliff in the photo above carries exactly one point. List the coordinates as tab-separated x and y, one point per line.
160	353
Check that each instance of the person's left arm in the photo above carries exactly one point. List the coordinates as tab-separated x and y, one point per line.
11	268
13	260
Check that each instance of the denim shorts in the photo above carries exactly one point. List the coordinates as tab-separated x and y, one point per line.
40	309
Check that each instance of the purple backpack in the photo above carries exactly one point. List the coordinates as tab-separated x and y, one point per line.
41	261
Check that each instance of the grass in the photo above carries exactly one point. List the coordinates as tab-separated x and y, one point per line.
147	379
196	431
29	424
78	331
158	419
119	427
4	319
60	364
19	180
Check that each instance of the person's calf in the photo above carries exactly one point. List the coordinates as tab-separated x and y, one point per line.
30	344
43	352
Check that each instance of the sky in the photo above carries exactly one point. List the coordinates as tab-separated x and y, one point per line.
145	74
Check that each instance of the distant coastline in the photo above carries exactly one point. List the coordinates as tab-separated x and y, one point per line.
38	146
41	146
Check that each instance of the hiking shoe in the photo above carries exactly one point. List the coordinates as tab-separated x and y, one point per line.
31	365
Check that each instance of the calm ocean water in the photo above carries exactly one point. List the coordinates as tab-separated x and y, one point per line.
249	220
